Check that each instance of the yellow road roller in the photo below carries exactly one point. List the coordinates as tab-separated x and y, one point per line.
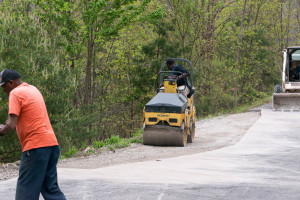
169	117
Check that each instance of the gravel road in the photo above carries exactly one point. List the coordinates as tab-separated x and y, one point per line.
211	134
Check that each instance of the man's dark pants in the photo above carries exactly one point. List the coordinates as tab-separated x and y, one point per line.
38	175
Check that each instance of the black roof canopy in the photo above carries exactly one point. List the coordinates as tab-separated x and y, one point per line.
291	50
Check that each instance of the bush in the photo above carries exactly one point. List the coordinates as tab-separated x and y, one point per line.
113	139
98	144
71	152
122	144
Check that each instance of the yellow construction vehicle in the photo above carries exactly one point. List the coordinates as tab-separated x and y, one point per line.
169	117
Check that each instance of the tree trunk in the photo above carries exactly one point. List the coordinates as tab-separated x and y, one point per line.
88	76
239	57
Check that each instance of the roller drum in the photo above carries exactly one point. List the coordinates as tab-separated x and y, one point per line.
159	135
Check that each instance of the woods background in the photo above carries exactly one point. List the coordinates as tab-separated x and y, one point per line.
95	61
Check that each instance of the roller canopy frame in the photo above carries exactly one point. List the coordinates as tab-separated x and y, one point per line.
179	59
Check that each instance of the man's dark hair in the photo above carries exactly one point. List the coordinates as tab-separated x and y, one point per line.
170	61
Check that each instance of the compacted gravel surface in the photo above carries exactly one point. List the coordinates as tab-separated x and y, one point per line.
211	134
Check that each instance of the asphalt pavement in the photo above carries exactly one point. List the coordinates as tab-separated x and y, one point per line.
264	165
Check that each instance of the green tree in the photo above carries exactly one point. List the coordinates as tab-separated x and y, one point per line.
27	49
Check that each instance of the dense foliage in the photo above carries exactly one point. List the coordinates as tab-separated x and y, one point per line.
95	61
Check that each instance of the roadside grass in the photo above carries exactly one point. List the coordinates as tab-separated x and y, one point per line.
115	142
112	143
240	108
259	102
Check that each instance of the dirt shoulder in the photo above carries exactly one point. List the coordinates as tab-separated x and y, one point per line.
211	134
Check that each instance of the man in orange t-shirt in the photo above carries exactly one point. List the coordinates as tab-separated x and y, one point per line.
40	150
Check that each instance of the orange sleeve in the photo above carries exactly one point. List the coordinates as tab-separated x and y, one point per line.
14	104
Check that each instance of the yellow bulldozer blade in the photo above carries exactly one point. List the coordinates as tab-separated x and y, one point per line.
286	102
160	135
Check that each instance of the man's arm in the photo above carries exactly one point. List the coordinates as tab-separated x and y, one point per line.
10	124
184	74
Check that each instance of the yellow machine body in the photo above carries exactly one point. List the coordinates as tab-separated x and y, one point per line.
169	128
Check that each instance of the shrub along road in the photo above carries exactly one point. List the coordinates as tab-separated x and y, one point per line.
264	164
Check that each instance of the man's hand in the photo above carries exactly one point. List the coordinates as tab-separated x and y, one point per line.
173	77
1	127
10	124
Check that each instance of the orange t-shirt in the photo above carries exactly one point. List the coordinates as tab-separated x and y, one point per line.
33	126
